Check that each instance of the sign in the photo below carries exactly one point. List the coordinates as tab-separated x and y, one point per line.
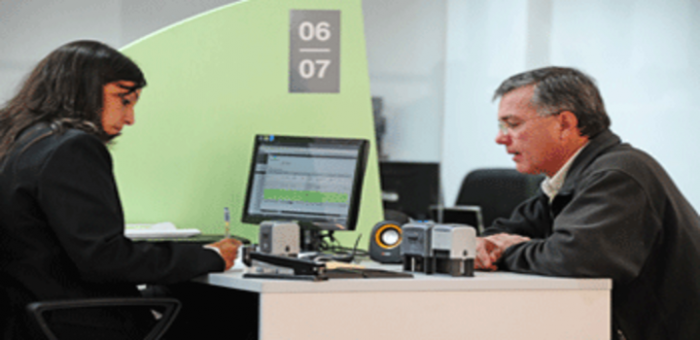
314	51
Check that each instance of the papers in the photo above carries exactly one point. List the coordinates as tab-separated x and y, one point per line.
158	230
335	264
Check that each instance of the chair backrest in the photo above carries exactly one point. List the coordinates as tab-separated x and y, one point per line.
5	312
497	191
166	310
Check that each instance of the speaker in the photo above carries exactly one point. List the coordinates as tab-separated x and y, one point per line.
385	241
279	238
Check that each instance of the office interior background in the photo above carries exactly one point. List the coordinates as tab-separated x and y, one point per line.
435	65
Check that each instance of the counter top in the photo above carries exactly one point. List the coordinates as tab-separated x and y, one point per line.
482	281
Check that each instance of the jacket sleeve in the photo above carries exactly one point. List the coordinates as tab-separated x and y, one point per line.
77	193
531	218
608	229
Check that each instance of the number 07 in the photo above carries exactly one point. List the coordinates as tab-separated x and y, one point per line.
307	68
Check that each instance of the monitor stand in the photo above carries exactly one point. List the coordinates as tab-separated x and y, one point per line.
310	240
313	234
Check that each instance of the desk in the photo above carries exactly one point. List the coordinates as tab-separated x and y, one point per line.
490	306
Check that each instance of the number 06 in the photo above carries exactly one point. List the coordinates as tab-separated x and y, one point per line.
321	31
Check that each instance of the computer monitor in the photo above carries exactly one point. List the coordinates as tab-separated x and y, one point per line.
316	182
410	187
461	214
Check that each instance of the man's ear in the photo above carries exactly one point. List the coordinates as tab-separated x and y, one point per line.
568	124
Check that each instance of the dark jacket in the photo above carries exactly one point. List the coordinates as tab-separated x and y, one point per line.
618	215
62	230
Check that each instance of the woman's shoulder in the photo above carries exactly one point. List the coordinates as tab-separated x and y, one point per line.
40	143
56	137
74	140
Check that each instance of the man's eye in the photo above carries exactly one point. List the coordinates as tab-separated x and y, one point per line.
126	102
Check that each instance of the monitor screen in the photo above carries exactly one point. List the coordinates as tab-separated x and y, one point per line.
410	187
316	182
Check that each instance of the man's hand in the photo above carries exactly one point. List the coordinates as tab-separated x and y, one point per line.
228	248
489	249
484	248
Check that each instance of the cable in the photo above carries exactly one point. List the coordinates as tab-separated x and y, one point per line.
337	252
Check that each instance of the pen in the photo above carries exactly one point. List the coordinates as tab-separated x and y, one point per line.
227	219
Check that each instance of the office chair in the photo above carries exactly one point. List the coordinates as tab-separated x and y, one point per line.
497	191
166	310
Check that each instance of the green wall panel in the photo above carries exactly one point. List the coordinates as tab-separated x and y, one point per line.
216	80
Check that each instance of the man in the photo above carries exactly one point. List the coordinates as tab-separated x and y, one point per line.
605	209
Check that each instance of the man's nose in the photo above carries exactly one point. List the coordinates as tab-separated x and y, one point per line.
502	138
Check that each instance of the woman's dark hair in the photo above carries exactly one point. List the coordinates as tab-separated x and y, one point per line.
65	90
560	89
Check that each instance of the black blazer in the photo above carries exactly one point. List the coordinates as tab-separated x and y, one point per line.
62	230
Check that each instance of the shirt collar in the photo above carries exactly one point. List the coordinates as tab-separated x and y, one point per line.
552	185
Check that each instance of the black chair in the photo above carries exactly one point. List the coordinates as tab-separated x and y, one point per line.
497	191
164	309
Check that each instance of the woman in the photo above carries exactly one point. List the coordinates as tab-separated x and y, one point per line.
61	221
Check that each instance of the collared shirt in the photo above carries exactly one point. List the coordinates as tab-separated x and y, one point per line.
552	185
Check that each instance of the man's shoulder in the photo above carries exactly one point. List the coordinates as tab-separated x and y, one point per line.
628	160
624	156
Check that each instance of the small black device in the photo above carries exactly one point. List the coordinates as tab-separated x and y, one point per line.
462	214
410	187
385	241
416	249
313	181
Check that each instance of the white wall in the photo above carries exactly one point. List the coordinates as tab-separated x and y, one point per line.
487	42
645	56
405	57
30	29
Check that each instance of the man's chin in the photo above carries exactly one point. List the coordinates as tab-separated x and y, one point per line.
523	169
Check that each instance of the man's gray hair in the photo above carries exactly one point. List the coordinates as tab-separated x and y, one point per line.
560	89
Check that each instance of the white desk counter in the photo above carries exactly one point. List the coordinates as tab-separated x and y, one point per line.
490	306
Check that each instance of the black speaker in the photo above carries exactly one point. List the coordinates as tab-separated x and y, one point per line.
385	242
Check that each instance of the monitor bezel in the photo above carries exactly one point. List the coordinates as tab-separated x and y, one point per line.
311	223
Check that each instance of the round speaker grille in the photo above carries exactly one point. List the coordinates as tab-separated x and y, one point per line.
388	236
